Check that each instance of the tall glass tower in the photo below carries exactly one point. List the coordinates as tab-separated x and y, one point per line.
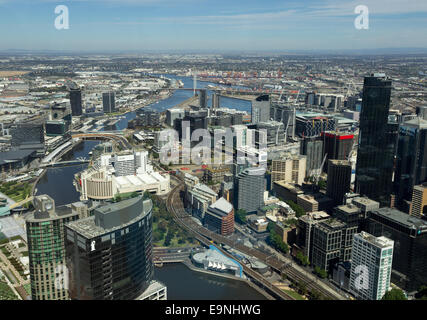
377	141
109	254
411	164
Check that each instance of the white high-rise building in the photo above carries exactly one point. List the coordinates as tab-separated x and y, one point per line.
371	261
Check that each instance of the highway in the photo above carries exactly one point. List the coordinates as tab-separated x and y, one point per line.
205	236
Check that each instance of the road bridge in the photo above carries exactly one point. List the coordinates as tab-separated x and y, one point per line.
120	139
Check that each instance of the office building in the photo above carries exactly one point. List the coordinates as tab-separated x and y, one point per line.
220	217
275	133
287	115
76	101
215	174
28	136
109	254
261	109
249	186
411	160
375	156
193	120
109	102
339	178
332	243
304	232
46	251
172	114
56	128
215	101
291	168
371	263
337	145
203	98
148	118
316	201
312	124
312	147
410	238
419	201
199	198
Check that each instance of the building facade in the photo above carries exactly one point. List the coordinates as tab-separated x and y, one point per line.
375	156
109	254
46	250
339	179
371	263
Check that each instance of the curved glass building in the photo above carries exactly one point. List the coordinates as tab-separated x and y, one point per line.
109	255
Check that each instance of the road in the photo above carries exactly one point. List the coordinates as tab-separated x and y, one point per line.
278	263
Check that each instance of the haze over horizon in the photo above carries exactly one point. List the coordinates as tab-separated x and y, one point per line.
215	26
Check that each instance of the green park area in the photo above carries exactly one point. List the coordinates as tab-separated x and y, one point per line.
166	233
294	294
17	191
6	292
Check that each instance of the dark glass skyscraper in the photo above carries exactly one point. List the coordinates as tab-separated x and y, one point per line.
411	164
109	102
76	101
109	254
377	141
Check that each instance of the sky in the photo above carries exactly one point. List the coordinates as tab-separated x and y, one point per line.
212	25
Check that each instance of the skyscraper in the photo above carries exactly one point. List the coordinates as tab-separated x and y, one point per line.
410	237
109	102
249	189
45	235
411	164
203	98
337	145
339	178
419	201
109	254
371	261
375	157
76	101
261	109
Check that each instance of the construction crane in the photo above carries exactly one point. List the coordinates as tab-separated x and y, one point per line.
286	129
277	133
318	172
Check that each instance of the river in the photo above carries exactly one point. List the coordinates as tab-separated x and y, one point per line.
182	283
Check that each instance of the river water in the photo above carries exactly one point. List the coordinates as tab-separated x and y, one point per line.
182	283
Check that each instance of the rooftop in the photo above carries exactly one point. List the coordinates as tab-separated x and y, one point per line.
111	217
401	218
380	242
222	205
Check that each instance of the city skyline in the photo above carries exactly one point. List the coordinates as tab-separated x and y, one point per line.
148	25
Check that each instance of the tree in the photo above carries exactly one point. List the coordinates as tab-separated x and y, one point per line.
275	240
302	288
322	184
240	216
320	272
299	211
302	259
422	293
394	294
